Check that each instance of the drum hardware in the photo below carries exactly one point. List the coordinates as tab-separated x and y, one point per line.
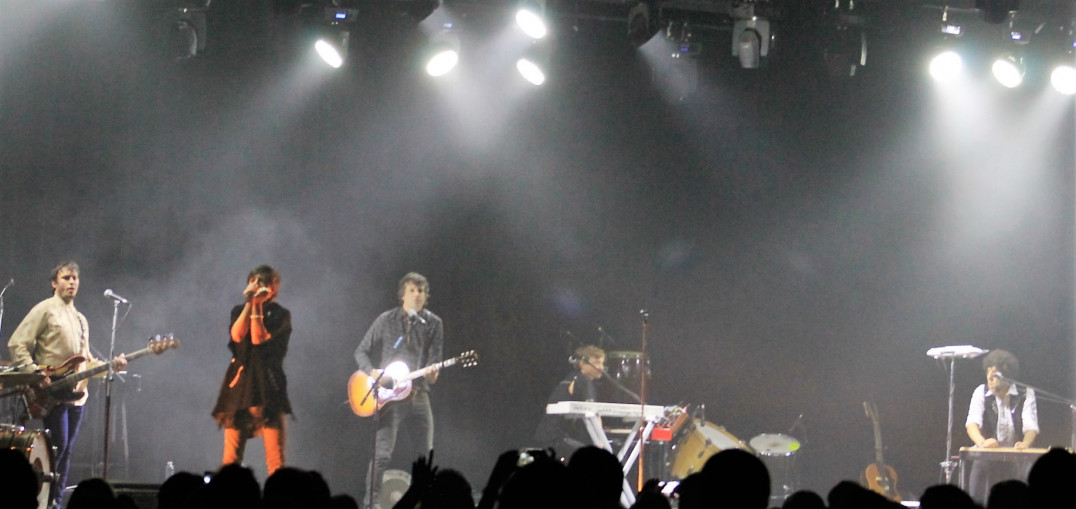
35	445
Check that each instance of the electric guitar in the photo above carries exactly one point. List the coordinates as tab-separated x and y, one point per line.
62	387
394	384
881	478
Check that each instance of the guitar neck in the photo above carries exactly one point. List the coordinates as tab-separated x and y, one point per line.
82	375
419	373
878	444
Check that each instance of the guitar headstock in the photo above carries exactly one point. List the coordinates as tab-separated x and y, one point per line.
158	344
871	410
468	358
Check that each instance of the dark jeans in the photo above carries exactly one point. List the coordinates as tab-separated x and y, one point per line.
412	414
63	423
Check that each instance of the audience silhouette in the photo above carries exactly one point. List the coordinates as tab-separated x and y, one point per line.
591	479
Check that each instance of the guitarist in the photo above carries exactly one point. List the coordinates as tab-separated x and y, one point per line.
53	333
412	334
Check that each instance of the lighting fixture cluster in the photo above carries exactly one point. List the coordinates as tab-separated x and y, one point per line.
1020	43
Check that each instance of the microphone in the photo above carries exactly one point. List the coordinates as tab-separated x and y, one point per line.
572	359
112	295
413	315
1000	376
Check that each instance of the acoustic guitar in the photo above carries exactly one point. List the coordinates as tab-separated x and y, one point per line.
881	478
394	384
62	387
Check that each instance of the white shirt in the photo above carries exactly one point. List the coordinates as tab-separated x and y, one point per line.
1004	432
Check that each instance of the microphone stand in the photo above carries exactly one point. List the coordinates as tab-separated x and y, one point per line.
951	353
377	419
2	302
642	396
108	385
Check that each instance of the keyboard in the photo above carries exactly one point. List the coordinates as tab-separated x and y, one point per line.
623	410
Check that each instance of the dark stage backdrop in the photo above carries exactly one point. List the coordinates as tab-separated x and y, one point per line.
799	242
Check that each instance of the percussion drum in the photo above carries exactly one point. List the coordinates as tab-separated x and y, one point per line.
35	445
777	452
698	442
775	444
628	369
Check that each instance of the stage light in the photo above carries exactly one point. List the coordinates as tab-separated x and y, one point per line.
996	11
332	45
530	70
676	70
444	52
417	10
946	66
332	48
531	18
751	39
1063	78
640	26
845	39
184	32
1008	70
952	29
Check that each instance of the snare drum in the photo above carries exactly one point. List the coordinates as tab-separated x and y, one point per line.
35	445
698	442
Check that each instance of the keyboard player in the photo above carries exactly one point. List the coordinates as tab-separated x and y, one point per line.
565	434
1001	414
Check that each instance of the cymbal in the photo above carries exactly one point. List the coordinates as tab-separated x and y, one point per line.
9	379
773	444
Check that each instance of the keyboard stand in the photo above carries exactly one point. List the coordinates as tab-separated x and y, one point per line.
628	452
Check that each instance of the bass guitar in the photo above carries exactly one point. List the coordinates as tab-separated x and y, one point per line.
881	478
394	383
40	400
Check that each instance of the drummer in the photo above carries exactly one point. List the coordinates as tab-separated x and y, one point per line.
566	434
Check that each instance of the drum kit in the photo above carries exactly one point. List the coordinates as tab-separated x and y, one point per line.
695	441
32	443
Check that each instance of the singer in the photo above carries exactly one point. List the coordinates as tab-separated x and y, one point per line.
253	397
412	334
565	435
1000	415
52	333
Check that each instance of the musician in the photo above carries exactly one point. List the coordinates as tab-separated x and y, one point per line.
414	335
52	333
253	398
565	434
1000	415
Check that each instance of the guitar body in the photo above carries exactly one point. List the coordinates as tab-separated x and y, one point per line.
41	400
882	480
394	384
66	385
363	401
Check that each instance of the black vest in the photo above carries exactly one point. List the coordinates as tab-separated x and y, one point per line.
990	414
